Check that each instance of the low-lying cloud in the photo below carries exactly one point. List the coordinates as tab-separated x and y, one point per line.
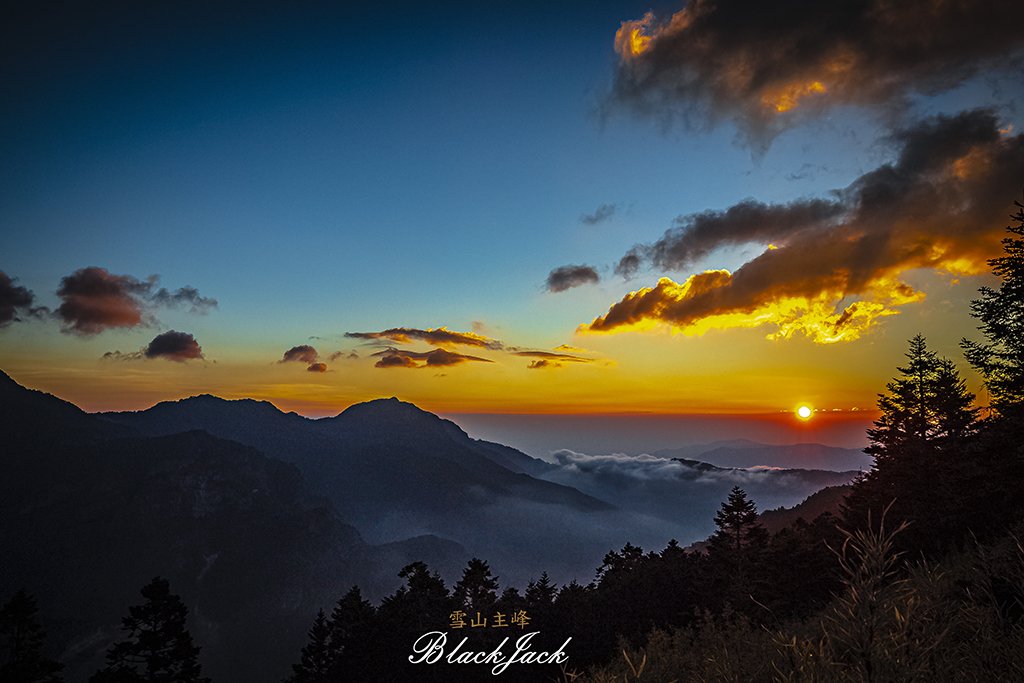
440	336
401	358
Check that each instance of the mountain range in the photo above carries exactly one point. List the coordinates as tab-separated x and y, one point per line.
260	517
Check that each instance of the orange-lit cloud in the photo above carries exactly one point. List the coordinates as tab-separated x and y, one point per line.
763	65
400	358
94	299
440	336
304	353
836	265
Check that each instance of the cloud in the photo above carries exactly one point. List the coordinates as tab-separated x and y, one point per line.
16	300
303	353
600	215
400	358
440	336
567	277
832	268
543	363
176	346
549	355
644	467
767	66
94	300
182	296
317	367
351	355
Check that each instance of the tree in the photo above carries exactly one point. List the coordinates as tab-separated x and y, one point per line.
158	647
317	657
927	409
21	642
477	590
1000	359
920	443
738	529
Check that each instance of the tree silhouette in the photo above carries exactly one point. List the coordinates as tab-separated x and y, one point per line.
738	528
158	647
318	656
477	589
21	644
1000	311
919	443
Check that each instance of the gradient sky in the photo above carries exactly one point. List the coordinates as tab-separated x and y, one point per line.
331	170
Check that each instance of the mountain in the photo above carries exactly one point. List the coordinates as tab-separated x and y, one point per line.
829	499
395	471
745	453
93	510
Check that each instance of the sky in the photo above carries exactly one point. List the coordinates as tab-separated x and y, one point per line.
579	209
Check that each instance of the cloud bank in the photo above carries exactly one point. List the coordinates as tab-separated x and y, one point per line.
769	66
833	267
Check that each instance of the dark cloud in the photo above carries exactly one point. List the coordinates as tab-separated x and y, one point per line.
176	346
767	66
16	301
303	353
835	265
351	355
317	367
600	215
440	336
94	300
567	277
400	358
540	364
694	236
184	296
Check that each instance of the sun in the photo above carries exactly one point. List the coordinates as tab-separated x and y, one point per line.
804	412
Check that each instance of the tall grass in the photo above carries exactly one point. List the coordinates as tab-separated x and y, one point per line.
895	619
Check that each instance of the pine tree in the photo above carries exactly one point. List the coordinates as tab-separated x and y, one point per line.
158	647
739	532
351	617
1000	360
736	549
21	644
541	593
317	656
477	590
920	445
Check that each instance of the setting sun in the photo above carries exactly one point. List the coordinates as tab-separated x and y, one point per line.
804	412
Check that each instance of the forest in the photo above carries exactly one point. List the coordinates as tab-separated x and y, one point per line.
917	575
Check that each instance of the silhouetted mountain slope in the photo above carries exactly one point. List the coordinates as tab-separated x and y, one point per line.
88	520
396	471
829	499
745	453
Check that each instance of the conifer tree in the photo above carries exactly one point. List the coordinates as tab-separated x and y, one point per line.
477	589
317	656
21	644
158	648
1000	359
738	529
